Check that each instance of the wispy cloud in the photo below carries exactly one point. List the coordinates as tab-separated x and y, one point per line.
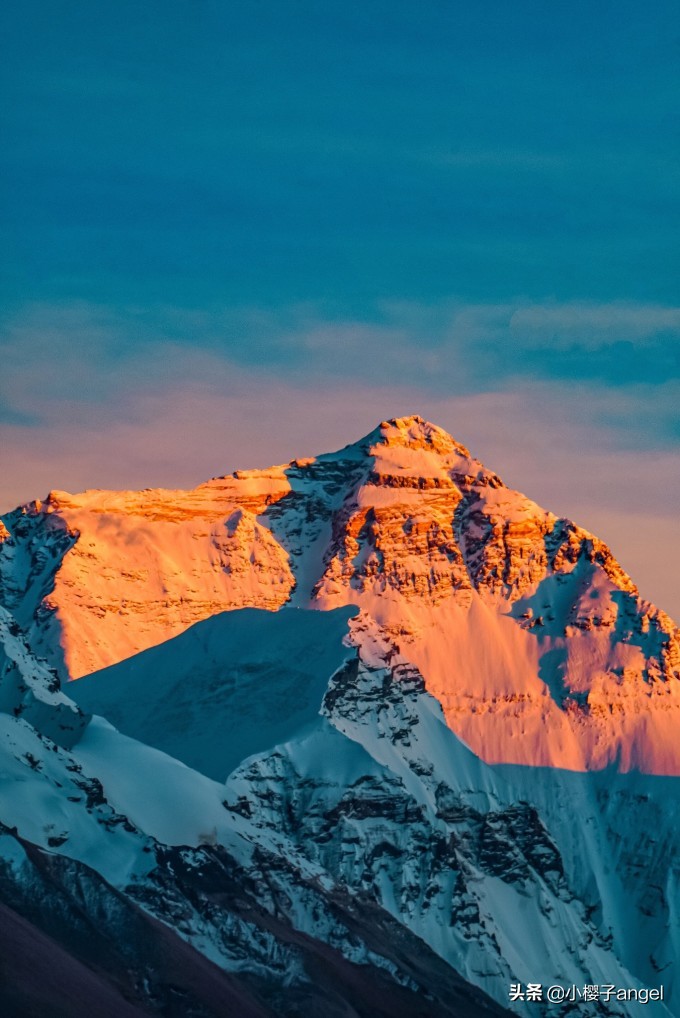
81	355
595	323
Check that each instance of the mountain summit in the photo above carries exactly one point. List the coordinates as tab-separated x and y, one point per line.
365	734
522	624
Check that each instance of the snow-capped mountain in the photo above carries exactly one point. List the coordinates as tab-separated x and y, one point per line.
387	735
523	625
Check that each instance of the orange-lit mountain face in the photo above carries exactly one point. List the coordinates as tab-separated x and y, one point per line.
523	625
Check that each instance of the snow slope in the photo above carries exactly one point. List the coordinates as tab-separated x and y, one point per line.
230	686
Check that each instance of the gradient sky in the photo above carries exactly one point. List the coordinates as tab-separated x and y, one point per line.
239	232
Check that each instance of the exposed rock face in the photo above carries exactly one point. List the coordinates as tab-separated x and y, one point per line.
522	624
101	576
30	689
69	936
488	866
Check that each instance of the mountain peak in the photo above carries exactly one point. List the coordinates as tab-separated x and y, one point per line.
415	432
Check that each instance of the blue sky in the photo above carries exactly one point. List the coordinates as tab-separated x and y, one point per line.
236	232
260	152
